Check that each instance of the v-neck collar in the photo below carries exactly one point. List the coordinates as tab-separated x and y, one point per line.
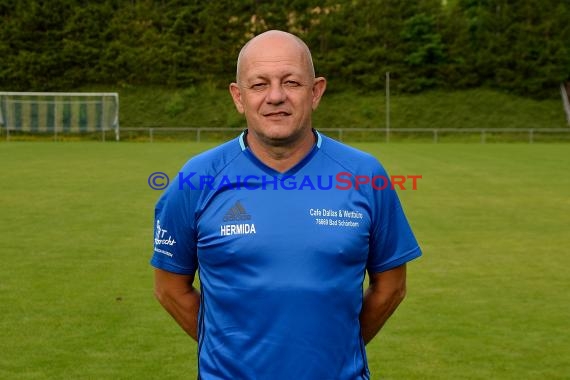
298	166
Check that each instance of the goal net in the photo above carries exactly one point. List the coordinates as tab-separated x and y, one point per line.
59	112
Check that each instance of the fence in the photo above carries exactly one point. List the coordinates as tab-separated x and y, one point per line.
435	135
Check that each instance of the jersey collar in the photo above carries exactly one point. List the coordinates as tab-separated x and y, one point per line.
243	141
271	171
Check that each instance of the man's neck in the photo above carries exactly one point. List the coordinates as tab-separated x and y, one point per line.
281	157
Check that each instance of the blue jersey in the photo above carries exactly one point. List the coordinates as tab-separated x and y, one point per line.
281	257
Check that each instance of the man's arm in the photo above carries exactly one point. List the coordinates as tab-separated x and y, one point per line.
178	296
385	292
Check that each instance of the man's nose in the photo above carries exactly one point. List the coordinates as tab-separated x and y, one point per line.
276	94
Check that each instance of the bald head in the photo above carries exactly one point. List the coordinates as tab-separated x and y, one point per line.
271	39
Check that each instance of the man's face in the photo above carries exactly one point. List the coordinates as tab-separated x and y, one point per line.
276	90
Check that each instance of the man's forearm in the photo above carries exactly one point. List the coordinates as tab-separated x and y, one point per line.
375	312
184	309
385	292
182	301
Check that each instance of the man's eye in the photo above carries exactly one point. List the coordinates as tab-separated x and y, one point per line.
259	86
292	83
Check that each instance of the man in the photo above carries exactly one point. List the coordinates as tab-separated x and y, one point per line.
281	251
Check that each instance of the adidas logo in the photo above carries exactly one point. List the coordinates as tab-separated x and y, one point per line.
236	213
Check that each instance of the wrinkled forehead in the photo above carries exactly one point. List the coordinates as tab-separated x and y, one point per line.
275	51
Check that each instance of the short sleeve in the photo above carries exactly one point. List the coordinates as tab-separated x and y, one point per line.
392	242
174	231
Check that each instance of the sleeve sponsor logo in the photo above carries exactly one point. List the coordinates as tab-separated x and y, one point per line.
162	240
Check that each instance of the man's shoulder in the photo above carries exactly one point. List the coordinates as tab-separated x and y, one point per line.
350	157
215	159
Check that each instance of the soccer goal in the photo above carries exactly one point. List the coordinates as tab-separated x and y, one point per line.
59	113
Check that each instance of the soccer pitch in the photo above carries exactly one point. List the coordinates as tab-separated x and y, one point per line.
489	299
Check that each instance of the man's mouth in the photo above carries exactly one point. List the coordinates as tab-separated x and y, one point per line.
277	114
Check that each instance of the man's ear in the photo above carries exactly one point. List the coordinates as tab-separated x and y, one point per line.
236	96
319	87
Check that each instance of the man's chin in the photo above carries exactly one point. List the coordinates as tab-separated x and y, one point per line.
281	139
278	135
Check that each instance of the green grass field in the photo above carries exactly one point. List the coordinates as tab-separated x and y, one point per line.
488	300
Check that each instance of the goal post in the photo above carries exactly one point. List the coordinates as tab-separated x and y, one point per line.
565	92
60	112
